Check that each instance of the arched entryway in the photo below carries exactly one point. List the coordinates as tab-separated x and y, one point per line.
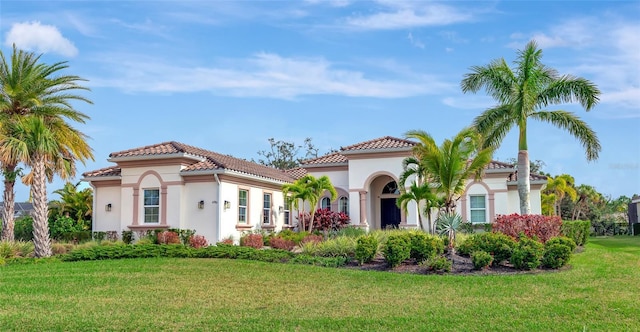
383	211
390	215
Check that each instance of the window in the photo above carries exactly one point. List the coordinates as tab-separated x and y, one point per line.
478	209
243	201
391	188
343	205
326	203
266	209
151	206
287	216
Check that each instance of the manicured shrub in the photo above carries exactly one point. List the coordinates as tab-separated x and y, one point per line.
168	237
65	228
198	241
99	236
562	240
337	247
23	228
424	246
542	227
58	249
556	255
319	261
325	220
437	264
127	237
497	244
112	236
290	235
279	243
481	259
527	254
577	230
397	249
366	248
252	240
226	241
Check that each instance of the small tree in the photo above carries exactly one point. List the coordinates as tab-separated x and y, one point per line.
309	189
286	155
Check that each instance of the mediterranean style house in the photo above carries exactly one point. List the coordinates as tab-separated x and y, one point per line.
174	185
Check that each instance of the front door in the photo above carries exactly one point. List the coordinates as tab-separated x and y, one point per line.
389	213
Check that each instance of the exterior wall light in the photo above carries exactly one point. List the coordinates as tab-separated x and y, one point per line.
107	207
201	205
227	205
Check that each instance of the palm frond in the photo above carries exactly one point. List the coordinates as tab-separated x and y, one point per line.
576	127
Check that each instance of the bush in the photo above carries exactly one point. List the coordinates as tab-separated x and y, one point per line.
23	228
325	220
290	235
527	254
397	249
338	247
278	242
497	244
65	228
424	246
312	238
577	230
354	232
610	228
556	255
481	259
127	237
466	228
542	227
99	236
168	237
319	261
366	248
197	241
58	249
252	240
562	240
437	264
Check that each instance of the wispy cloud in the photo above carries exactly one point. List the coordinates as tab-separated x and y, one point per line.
41	38
415	41
401	15
262	75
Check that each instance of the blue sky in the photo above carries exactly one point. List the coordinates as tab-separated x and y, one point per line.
227	76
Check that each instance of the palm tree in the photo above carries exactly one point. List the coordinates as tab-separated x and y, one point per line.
522	93
560	187
447	167
30	87
309	189
73	202
37	140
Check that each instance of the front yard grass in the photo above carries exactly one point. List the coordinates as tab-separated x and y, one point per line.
598	293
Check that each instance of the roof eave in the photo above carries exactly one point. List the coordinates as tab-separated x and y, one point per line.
366	151
305	166
101	178
233	173
156	157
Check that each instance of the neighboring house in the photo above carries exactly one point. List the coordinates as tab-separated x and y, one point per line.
174	185
20	209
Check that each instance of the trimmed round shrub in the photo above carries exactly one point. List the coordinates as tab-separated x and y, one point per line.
556	255
397	249
252	240
481	259
366	248
168	237
497	244
279	243
562	240
197	241
425	246
527	254
437	264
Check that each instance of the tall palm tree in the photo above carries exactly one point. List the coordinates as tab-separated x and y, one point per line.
522	93
30	87
37	140
73	202
447	167
309	189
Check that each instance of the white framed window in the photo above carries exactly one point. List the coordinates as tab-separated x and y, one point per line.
287	216
325	203
151	206
343	205
243	203
478	208
266	208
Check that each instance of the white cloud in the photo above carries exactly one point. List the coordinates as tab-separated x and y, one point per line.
41	38
262	75
469	102
414	41
400	15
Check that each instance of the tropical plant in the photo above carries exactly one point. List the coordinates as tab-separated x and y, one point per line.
447	167
29	87
308	189
557	189
522	93
448	224
36	140
417	193
73	203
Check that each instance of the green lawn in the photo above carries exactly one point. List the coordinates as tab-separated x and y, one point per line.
599	293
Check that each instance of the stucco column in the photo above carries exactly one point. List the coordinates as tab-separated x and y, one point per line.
163	205
492	208
135	205
363	208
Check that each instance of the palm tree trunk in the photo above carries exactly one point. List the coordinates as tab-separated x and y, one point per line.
420	219
41	239
9	202
524	184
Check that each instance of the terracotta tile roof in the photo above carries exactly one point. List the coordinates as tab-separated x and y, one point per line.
381	143
296	173
498	165
103	172
513	177
211	160
332	158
